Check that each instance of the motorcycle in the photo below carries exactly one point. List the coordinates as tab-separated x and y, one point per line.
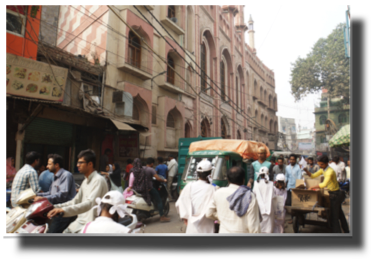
140	207
16	216
174	188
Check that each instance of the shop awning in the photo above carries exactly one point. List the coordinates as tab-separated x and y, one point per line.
122	126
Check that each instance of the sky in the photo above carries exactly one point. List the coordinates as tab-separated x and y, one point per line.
283	32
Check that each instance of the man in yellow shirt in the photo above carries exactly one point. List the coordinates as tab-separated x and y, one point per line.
336	196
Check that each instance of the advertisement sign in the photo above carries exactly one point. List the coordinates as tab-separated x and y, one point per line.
35	79
129	145
305	146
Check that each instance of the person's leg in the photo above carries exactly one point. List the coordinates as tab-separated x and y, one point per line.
155	197
343	221
169	185
335	206
58	225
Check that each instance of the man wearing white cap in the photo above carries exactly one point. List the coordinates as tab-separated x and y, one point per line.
264	194
109	209
193	203
280	194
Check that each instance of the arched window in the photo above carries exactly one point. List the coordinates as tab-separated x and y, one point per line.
342	118
322	119
135	112
238	135
171	12
262	120
223	130
203	61
222	80
134	56
170	72
205	128
170	120
187	131
237	92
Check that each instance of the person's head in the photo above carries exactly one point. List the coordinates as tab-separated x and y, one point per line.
204	169
55	163
310	161
323	161
137	163
150	162
280	162
11	161
160	160
112	205
236	175
170	157
33	159
129	161
107	168
273	160
86	161
342	159
292	159
336	159
107	151
41	168
262	152
280	181
349	163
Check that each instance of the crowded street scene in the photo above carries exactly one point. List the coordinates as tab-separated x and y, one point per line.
137	120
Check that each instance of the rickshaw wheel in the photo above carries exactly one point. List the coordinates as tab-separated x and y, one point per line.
296	225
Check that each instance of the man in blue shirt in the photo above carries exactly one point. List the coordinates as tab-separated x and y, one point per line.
45	180
292	172
162	168
62	189
261	162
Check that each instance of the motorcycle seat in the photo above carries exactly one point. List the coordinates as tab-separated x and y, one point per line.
136	193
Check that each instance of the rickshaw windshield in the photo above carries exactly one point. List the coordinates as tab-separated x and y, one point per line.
191	164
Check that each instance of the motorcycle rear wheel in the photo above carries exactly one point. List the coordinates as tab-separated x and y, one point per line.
166	209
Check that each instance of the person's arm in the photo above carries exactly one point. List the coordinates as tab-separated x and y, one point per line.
131	181
33	181
315	175
212	212
159	179
253	218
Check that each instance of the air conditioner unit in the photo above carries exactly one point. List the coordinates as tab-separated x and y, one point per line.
123	103
88	88
174	19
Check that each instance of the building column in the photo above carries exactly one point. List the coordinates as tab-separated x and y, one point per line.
19	146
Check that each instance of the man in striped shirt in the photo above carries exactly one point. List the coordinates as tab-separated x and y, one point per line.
26	177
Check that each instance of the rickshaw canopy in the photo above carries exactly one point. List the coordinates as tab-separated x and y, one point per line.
246	149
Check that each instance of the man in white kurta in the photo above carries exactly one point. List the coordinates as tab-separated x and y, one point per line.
193	202
280	196
263	190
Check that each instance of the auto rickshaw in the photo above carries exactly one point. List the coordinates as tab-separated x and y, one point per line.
223	154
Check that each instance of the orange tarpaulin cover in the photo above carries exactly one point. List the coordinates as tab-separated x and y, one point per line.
246	149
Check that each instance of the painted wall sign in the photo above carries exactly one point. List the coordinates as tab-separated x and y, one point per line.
30	78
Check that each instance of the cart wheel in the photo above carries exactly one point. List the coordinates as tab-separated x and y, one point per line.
296	225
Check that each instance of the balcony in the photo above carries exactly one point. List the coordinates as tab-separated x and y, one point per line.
135	68
172	23
176	85
262	101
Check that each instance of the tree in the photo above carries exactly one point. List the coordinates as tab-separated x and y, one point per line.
325	67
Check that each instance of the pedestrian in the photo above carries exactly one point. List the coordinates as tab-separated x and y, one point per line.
335	166
348	170
336	195
193	202
161	168
93	186
45	179
342	170
235	206
62	189
26	177
172	172
104	160
271	174
280	194
154	194
313	168
11	170
256	165
292	172
264	194
116	177
129	166
279	168
109	209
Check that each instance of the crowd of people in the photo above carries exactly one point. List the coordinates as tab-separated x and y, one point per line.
256	206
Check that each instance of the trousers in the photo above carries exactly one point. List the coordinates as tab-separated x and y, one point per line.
155	197
337	215
59	224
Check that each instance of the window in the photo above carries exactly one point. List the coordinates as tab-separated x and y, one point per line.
223	130
15	24
134	57
170	121
322	119
323	139
238	135
237	92
154	115
222	79
203	61
187	130
170	72
171	12
342	118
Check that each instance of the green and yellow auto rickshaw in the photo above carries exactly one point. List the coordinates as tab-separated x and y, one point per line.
223	154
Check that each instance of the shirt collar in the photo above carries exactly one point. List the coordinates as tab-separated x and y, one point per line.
59	173
232	185
326	168
91	176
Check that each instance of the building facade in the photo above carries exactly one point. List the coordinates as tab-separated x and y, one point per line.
288	134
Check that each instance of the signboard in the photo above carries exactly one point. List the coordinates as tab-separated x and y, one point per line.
305	146
129	145
35	79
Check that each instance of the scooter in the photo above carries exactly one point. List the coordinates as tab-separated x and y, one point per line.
174	188
16	216
140	207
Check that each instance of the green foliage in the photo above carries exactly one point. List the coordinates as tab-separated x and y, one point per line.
325	67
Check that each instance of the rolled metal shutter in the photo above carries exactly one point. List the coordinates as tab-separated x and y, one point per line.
49	132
